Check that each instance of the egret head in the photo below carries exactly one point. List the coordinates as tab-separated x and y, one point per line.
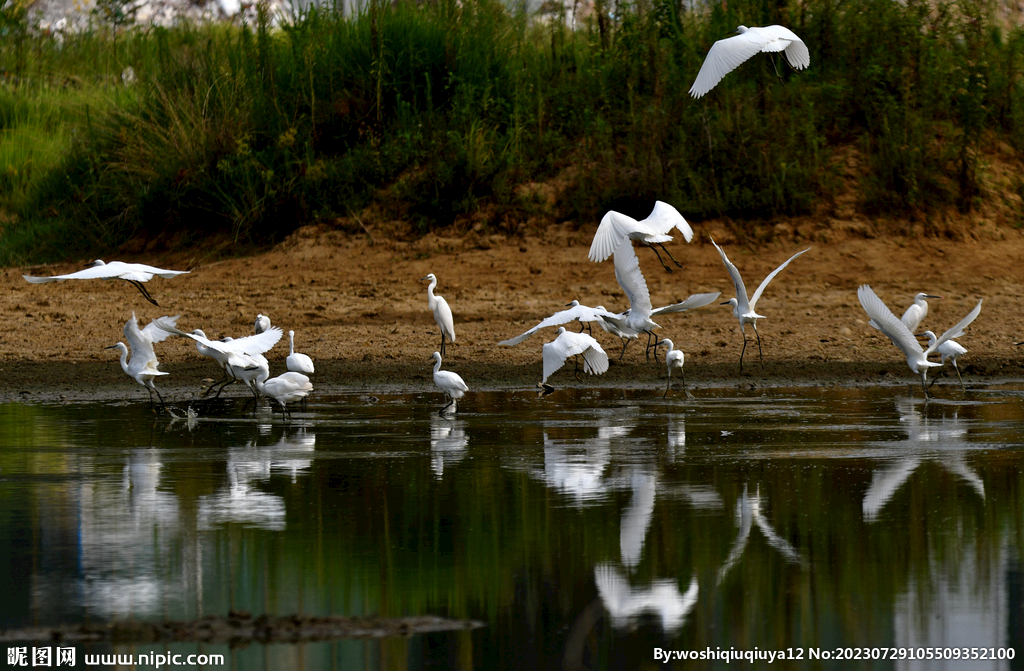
922	296
429	278
926	334
740	30
199	332
121	346
731	301
561	330
667	343
435	357
575	303
291	334
97	262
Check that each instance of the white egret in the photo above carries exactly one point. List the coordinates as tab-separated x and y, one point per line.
143	364
674	359
610	322
885	321
296	362
745	310
262	324
950	349
442	313
917	311
133	273
284	388
654	230
567	344
728	54
449	382
582	313
241	358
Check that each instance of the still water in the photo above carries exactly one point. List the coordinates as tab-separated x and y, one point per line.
585	528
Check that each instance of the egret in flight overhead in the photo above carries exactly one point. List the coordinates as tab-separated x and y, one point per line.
448	382
442	313
133	273
728	54
143	364
567	344
575	312
654	230
742	309
917	358
917	311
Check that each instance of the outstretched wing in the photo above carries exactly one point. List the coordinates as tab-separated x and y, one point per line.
885	321
771	276
957	330
691	303
581	312
728	54
737	281
102	272
663	218
158	330
629	277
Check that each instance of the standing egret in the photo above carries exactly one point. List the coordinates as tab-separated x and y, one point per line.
885	321
241	358
284	388
950	349
917	311
442	313
262	324
143	365
567	344
133	273
674	359
449	382
744	310
296	362
576	311
728	54
654	230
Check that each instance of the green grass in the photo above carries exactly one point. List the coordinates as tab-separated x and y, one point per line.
437	111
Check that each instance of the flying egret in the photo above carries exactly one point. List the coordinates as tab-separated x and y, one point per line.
449	382
609	322
262	324
950	349
143	364
442	313
284	388
728	54
674	359
576	311
744	310
885	321
133	273
654	230
567	344
917	311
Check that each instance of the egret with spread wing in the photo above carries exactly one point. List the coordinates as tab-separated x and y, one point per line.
654	230
567	344
745	310
728	54
582	313
143	364
133	273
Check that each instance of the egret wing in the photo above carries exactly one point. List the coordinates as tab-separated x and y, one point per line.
664	218
255	344
103	272
581	312
764	283
557	351
691	303
957	330
610	233
158	330
724	57
595	360
885	321
151	270
737	280
629	277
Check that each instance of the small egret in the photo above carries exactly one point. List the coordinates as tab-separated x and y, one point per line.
241	358
885	321
449	382
296	362
262	324
917	311
653	230
674	359
133	273
284	388
442	313
728	54
950	349
742	309
567	344
575	312
143	364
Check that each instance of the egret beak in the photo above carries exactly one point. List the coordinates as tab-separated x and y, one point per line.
724	303
1018	344
930	296
111	347
424	279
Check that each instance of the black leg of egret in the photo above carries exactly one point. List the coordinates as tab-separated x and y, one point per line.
625	342
589	330
576	367
682	373
957	369
759	354
145	293
668	383
742	352
162	404
582	327
663	264
665	249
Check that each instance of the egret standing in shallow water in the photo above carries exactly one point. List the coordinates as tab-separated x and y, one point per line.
133	273
296	362
728	54
674	359
448	382
285	388
744	310
950	349
917	311
442	313
917	358
143	364
567	344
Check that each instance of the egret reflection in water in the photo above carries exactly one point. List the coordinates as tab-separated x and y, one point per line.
448	441
941	441
748	514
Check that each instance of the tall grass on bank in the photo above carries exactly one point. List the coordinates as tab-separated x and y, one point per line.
436	111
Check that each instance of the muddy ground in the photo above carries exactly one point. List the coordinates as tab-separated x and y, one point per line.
359	310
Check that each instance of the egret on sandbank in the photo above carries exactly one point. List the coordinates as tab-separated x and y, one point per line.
728	54
448	382
885	321
917	311
744	310
567	344
133	273
442	313
950	349
297	362
262	324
